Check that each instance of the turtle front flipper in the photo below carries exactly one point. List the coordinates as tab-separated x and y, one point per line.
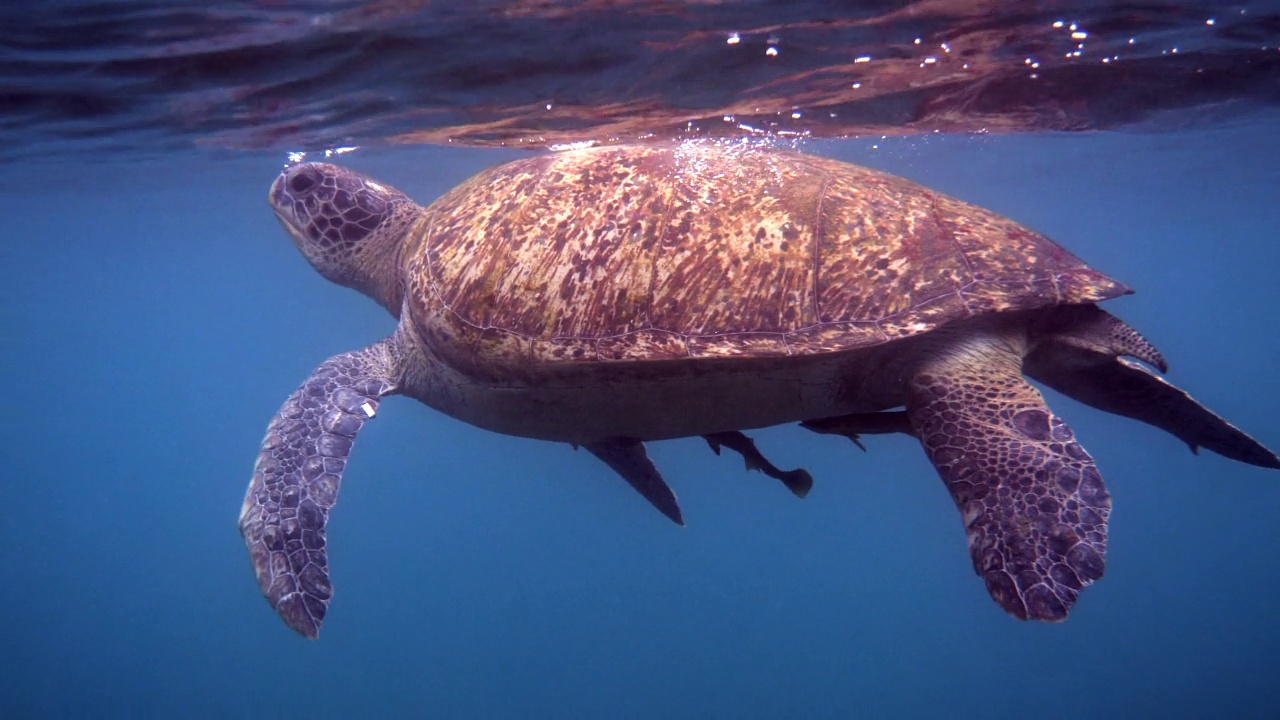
798	481
628	458
1083	360
297	475
1032	500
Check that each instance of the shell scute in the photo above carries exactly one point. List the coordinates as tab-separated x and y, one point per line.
738	345
832	337
569	350
926	315
504	348
643	345
736	253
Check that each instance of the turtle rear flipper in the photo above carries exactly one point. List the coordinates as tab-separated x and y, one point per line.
1084	361
1033	502
297	475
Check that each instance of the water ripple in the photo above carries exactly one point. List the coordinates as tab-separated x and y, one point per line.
101	77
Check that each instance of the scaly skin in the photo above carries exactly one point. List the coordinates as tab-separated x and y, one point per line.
1033	503
297	476
350	228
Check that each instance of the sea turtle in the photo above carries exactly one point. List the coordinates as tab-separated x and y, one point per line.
610	296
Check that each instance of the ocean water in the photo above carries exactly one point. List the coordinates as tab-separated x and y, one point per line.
153	316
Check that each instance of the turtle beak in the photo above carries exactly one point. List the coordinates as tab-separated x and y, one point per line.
278	197
294	185
282	204
276	194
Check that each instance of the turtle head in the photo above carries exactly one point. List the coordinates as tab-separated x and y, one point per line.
350	228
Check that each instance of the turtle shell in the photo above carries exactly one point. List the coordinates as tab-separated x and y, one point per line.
706	250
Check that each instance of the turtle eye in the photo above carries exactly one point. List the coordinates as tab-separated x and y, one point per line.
303	180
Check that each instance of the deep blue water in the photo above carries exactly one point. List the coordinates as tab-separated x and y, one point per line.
154	316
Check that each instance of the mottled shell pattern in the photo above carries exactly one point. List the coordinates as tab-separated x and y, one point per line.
705	250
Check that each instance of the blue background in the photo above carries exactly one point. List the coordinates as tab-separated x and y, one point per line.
153	316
